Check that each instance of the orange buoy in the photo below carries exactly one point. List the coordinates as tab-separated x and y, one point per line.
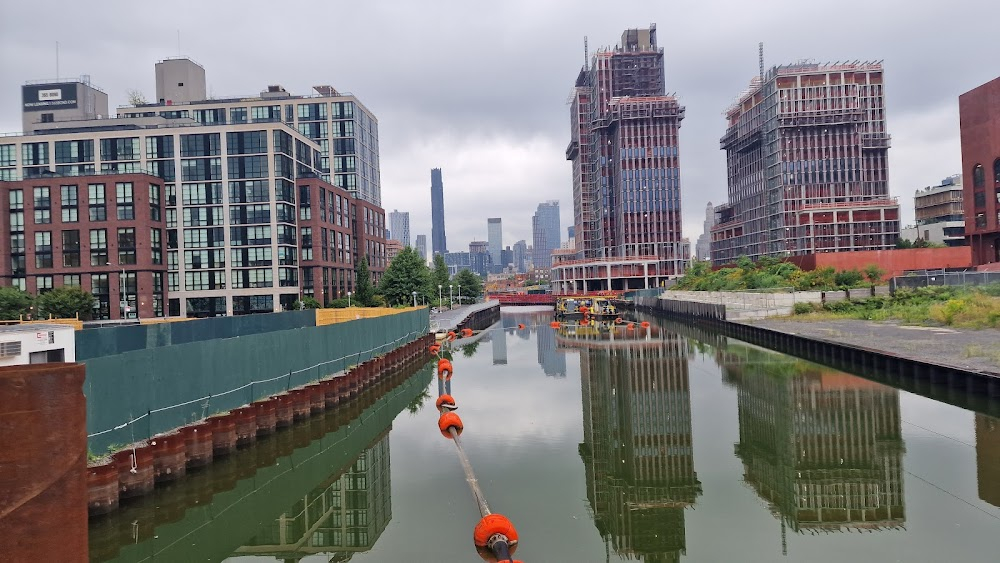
554	324
444	368
493	524
583	309
466	332
619	321
630	326
644	324
446	400
448	421
451	333
520	326
435	348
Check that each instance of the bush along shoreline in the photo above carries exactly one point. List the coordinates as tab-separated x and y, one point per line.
772	273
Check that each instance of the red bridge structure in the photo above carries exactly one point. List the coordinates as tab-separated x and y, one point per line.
542	298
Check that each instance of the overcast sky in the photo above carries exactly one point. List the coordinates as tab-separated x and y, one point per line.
480	89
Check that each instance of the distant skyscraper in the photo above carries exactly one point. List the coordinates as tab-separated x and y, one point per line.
399	227
494	235
479	257
439	243
422	246
545	232
703	248
520	256
626	171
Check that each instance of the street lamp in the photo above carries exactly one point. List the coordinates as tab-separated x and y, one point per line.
459	295
348	299
451	298
414	298
439	295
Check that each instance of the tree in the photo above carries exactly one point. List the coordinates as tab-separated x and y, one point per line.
364	291
307	303
406	273
921	243
903	243
472	285
874	275
14	303
136	98
65	303
440	274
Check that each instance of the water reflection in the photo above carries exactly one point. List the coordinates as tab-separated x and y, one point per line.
988	458
822	448
344	514
552	361
637	448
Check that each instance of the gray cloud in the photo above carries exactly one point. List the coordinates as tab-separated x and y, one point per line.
480	89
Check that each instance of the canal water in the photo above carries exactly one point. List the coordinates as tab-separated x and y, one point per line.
657	445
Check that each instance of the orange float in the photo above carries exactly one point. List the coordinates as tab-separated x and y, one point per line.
445	400
466	332
444	368
435	348
554	324
493	524
520	326
448	421
644	324
619	321
630	326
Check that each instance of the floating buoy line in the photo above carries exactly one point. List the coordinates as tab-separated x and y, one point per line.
494	536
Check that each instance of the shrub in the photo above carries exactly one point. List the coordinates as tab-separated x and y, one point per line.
802	308
847	278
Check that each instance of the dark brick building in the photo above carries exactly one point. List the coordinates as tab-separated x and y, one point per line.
102	233
979	116
335	230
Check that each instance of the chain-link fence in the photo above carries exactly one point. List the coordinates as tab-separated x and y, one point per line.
925	279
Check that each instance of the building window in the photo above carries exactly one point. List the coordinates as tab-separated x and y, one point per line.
201	194
96	202
980	220
978	176
126	245
8	155
307	245
154	202
202	144
43	284
201	169
238	115
33	154
979	199
125	201
246	142
265	113
43	249
70	204
160	147
100	287
996	173
43	206
71	280
71	248
255	277
74	151
98	247
249	191
156	245
120	149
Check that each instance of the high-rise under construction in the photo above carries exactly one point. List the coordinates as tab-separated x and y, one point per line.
806	151
626	172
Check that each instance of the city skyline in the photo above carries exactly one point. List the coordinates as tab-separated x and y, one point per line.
510	147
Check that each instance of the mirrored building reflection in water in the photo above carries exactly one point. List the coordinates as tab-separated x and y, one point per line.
822	448
637	448
343	515
988	458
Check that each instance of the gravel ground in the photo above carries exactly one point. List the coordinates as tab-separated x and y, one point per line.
965	348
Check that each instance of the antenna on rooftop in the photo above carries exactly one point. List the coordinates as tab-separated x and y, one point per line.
586	54
760	60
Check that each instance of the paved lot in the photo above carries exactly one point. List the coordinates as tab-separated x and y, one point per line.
964	348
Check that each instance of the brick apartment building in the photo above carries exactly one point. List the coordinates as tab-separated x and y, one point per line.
979	117
212	207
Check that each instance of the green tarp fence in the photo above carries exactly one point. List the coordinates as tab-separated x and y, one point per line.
135	394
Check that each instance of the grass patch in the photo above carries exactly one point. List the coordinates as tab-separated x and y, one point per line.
960	307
